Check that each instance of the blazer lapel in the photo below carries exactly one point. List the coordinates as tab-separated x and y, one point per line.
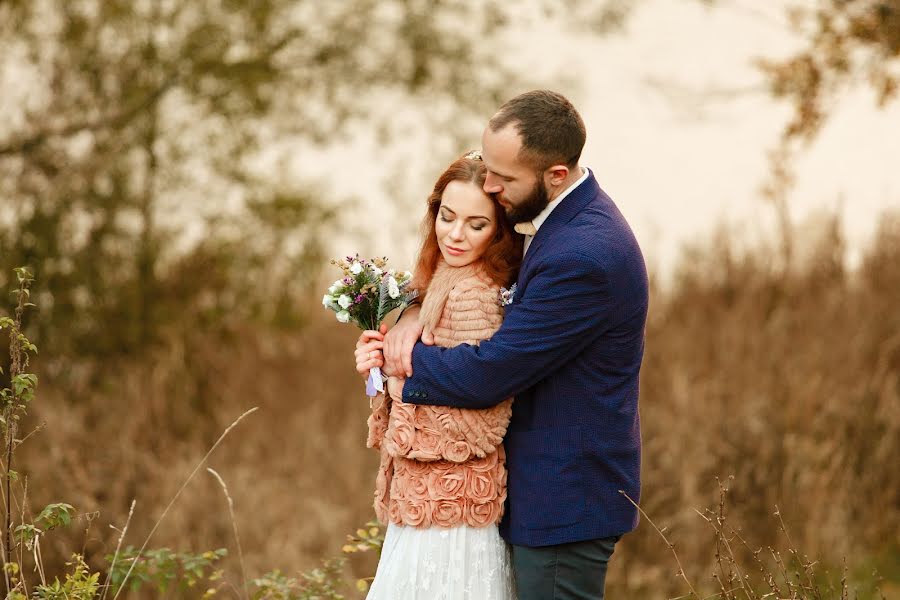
570	206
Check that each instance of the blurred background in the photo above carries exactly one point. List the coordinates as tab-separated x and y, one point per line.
177	173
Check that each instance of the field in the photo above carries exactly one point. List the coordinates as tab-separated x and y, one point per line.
782	383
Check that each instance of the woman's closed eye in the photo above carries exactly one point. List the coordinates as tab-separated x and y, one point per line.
478	227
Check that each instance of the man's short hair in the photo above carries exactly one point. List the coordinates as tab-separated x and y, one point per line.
551	129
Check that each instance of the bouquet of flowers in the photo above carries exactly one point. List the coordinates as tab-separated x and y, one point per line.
364	296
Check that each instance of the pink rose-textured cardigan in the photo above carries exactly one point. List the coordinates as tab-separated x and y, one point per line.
443	466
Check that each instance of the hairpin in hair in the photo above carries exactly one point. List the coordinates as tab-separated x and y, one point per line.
473	155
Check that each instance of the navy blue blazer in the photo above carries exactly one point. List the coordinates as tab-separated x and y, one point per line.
570	351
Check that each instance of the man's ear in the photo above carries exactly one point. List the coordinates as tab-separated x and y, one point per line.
556	174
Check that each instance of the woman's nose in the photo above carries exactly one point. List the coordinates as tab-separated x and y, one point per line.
457	232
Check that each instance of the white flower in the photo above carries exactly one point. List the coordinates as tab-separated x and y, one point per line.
328	301
407	275
345	301
343	316
356	268
393	288
377	271
507	295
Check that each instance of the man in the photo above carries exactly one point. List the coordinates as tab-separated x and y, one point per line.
569	350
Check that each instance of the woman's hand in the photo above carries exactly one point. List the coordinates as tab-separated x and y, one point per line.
369	350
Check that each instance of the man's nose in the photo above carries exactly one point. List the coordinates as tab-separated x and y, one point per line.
491	185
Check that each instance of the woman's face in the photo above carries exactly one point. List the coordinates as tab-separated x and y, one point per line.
466	223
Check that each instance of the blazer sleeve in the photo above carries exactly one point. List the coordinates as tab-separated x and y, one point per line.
569	302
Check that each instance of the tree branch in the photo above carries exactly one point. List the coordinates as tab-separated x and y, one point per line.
113	121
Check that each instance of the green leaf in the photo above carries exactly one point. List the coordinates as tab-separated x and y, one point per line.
22	383
26	532
56	515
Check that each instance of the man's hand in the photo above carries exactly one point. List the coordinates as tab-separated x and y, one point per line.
399	342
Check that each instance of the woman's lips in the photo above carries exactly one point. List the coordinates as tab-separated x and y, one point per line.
454	251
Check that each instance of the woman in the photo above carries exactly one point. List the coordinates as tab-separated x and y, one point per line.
441	484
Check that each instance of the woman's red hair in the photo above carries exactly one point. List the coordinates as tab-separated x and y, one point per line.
501	259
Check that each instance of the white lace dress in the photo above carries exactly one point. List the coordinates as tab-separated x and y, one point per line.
459	563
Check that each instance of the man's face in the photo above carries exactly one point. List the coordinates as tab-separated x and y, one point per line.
518	189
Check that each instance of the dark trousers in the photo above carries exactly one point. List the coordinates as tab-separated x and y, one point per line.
575	571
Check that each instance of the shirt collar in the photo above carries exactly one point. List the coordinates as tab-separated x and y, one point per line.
539	220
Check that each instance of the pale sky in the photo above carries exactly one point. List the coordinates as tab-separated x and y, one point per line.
678	129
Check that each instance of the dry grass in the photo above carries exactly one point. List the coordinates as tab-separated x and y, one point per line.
789	380
297	490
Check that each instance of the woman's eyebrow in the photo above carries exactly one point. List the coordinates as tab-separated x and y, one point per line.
447	208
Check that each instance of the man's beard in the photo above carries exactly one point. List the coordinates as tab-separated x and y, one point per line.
531	206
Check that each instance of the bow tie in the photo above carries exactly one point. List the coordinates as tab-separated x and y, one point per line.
525	228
